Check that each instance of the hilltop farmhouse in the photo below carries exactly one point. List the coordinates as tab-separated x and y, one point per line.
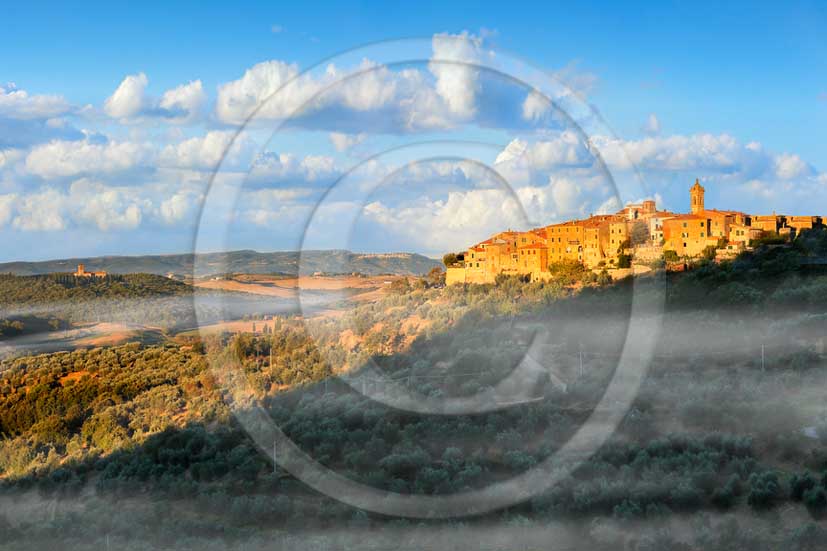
638	231
81	272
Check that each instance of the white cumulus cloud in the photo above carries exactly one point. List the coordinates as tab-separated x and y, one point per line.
789	166
180	105
240	98
453	65
185	103
368	95
178	207
18	104
274	167
42	211
107	208
454	222
71	158
535	106
205	152
565	149
129	99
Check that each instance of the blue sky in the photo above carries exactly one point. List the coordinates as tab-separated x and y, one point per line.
671	73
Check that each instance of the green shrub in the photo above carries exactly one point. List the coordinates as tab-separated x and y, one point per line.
624	261
764	489
568	272
815	498
799	484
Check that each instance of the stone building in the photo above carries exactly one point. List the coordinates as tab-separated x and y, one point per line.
533	258
637	211
769	223
801	223
687	234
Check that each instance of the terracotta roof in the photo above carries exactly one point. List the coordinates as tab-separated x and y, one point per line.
724	212
566	223
599	219
603	217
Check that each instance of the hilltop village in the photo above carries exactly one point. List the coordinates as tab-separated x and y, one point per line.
638	232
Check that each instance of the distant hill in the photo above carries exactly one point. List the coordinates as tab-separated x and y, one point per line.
246	261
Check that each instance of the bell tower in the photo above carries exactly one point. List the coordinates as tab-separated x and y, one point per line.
696	194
